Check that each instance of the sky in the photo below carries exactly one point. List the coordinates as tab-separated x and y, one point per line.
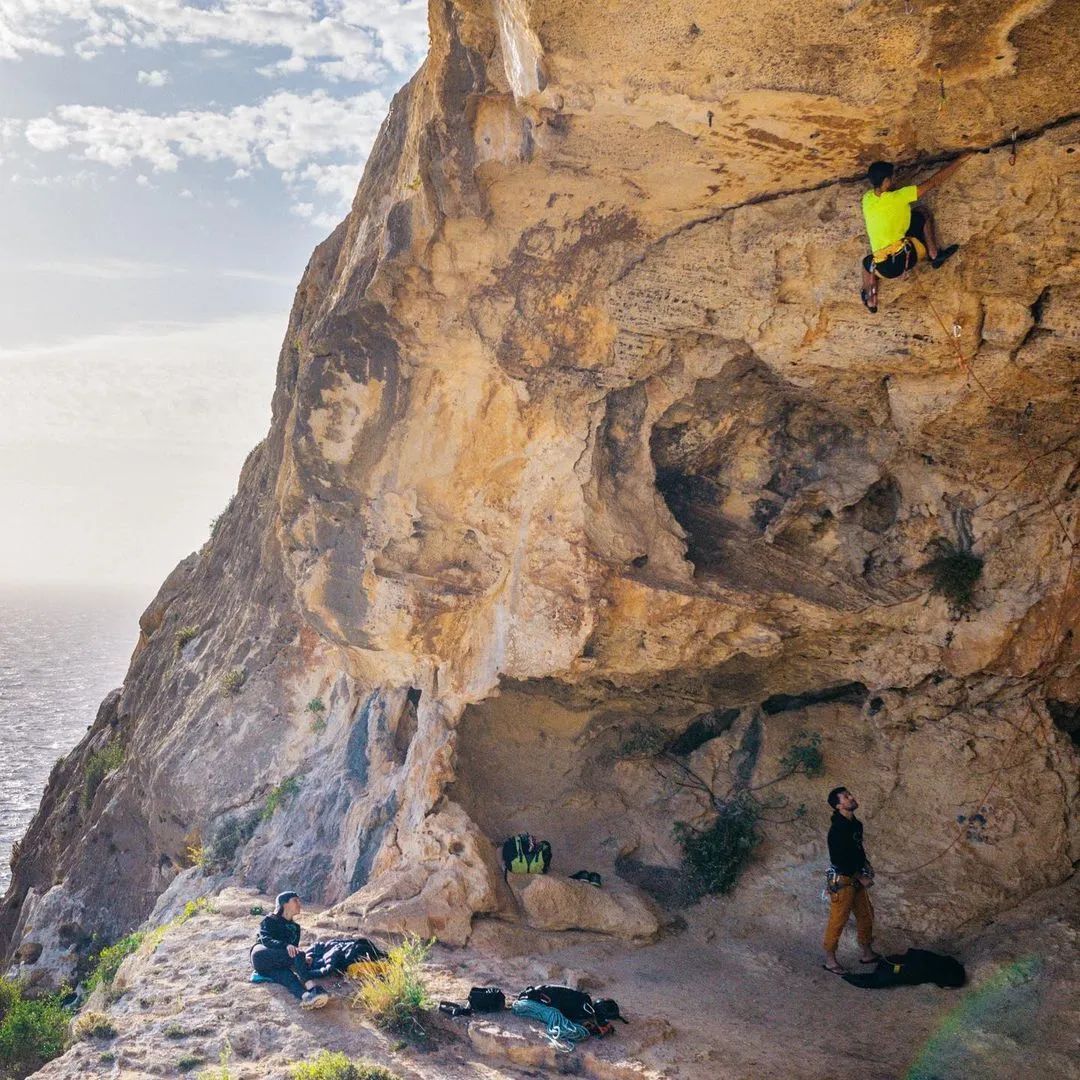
166	169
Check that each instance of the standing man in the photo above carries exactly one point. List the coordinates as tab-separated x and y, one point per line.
276	954
849	879
899	236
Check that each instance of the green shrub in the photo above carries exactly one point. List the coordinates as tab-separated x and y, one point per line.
953	571
232	681
183	635
318	718
31	1032
336	1066
111	957
98	766
93	1025
804	755
231	835
285	790
394	992
188	1062
717	854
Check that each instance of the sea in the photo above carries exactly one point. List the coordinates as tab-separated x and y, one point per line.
62	649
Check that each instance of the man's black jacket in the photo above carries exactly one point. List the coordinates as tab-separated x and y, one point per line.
845	845
276	932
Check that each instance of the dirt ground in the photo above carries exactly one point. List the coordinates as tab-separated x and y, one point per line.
707	1001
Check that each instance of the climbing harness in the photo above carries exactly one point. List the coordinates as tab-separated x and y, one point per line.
912	247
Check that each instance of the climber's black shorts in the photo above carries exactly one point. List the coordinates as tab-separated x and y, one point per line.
897	265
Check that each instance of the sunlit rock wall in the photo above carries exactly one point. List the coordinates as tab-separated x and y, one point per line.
581	430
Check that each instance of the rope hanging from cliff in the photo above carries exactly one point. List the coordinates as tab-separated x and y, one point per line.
1021	729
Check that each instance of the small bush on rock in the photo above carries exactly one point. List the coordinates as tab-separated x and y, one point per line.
718	853
183	635
336	1066
111	957
394	991
953	571
93	1025
232	681
31	1032
98	766
285	790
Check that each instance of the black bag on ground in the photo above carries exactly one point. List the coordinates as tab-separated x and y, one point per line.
575	1005
486	999
324	957
911	968
522	854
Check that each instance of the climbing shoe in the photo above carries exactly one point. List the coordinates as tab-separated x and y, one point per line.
588	876
314	999
868	296
944	255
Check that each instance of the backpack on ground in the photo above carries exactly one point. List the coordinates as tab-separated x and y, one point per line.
486	999
522	854
575	1005
911	968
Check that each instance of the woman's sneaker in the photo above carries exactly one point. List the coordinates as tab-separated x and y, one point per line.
314	999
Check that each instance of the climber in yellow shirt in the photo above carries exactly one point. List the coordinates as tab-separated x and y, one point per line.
899	235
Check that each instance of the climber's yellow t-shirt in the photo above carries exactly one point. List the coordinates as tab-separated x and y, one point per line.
888	215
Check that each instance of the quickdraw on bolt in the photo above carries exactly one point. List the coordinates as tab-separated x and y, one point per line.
957	329
941	84
1012	156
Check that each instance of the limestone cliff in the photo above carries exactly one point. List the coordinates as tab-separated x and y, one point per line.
580	429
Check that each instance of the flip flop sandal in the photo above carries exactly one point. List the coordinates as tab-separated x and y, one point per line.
834	970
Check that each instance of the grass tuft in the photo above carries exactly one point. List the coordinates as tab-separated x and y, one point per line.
93	1025
232	681
336	1066
953	572
394	991
183	635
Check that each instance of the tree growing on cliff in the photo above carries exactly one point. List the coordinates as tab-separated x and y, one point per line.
715	854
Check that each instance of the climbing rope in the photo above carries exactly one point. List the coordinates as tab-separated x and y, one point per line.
1021	729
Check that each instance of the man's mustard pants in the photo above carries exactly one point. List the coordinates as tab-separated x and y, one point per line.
852	897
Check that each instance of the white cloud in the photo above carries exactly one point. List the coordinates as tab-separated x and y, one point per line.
46	134
302	136
285	130
152	78
348	39
108	269
334	181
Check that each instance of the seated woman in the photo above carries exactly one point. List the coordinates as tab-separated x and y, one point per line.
276	954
